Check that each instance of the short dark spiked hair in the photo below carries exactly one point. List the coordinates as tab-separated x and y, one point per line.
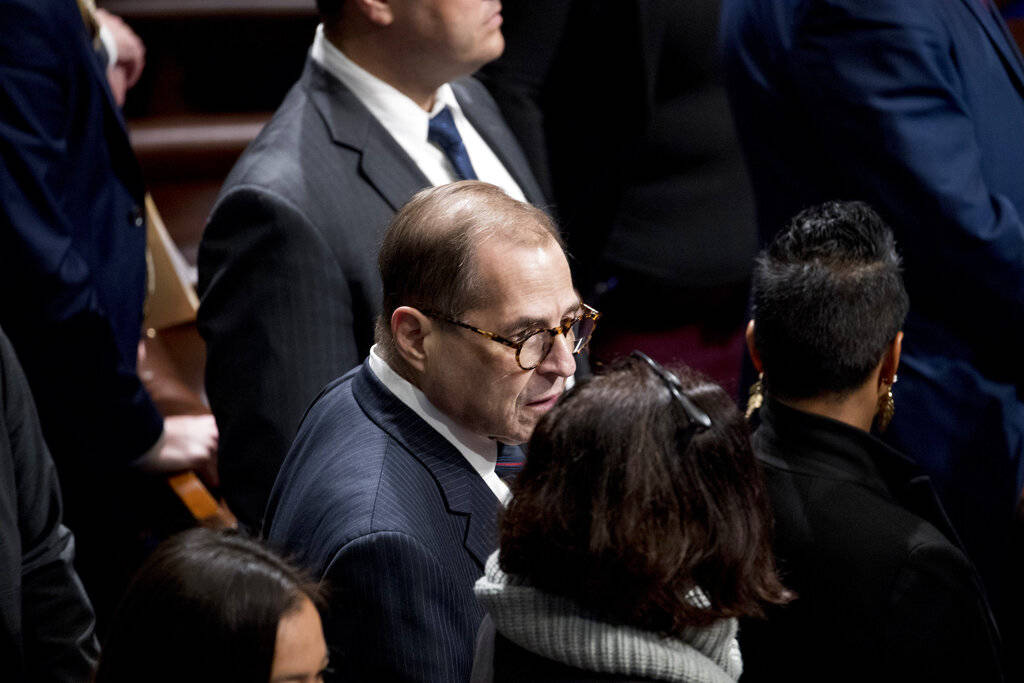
828	300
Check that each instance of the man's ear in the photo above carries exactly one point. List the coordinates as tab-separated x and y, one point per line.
890	362
410	329
755	356
377	12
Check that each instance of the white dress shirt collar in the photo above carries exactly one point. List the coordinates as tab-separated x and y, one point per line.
408	123
401	116
479	451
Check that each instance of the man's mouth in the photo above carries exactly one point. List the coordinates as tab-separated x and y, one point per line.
495	19
545	402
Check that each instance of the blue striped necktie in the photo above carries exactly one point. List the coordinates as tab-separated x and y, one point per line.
443	133
510	461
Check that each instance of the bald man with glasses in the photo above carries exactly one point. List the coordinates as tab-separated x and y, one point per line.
392	487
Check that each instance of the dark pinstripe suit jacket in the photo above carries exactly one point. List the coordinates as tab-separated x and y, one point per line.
288	265
385	509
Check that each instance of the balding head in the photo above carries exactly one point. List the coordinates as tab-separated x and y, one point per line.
469	275
427	258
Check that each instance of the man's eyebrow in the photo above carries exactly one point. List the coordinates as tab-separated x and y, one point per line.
528	323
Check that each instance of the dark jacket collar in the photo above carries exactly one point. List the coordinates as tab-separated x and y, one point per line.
804	443
814	444
464	491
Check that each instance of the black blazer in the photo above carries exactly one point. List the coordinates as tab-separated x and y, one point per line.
621	108
46	622
884	591
288	265
398	524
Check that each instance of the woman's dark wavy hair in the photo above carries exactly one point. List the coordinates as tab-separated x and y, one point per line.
617	511
204	607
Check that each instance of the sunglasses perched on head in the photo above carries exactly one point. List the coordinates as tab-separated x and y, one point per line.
698	420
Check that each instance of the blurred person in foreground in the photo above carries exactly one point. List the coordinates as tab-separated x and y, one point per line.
73	273
47	629
209	607
638	532
392	487
885	590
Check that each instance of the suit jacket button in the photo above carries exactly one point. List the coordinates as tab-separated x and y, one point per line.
136	218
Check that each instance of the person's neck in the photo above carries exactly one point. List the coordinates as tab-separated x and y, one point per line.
367	50
395	362
856	409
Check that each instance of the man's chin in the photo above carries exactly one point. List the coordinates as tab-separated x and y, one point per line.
493	48
517	434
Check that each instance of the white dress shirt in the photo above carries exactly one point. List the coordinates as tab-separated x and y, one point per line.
408	123
479	451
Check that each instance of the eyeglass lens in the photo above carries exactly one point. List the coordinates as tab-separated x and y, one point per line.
537	346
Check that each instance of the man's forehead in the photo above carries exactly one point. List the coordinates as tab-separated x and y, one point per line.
519	259
530	281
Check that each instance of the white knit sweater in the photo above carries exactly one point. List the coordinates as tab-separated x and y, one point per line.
558	629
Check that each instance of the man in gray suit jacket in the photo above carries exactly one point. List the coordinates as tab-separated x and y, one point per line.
287	266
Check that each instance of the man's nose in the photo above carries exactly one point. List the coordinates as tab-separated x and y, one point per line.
560	359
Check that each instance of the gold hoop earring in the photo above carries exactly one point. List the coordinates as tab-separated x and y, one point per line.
886	408
756	397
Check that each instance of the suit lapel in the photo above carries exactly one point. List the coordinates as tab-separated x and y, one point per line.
464	491
500	139
382	161
1000	36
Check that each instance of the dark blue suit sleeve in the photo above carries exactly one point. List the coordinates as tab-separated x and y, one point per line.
396	614
881	79
64	212
46	613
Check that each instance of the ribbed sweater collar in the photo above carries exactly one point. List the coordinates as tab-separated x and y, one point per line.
558	629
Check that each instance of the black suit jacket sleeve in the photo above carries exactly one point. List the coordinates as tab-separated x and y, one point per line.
47	622
397	613
938	622
75	325
279	303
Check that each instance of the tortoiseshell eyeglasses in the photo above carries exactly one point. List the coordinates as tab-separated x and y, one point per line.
534	346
